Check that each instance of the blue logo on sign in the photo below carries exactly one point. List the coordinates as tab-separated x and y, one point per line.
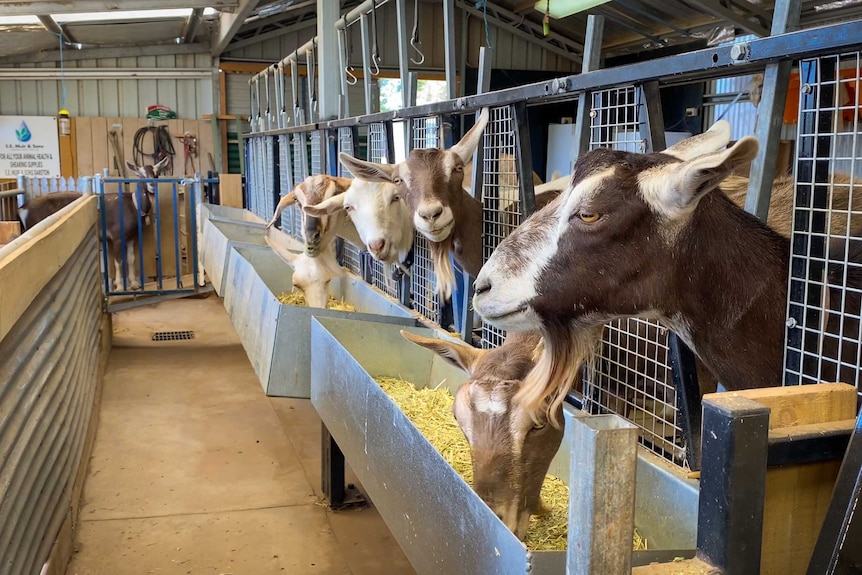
23	133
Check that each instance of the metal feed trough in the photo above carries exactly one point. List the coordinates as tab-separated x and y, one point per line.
276	336
219	236
437	518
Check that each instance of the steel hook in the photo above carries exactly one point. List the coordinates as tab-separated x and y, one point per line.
375	61
350	76
416	46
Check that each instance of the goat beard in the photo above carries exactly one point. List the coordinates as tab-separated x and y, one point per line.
560	358
443	267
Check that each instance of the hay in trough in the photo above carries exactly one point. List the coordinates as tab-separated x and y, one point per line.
430	410
298	298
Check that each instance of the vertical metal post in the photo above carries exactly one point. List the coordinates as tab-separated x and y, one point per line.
294	86
344	104
366	62
652	126
403	43
328	59
524	159
770	115
592	61
332	469
268	112
837	551
215	122
310	79
449	46
733	483
602	508
684	373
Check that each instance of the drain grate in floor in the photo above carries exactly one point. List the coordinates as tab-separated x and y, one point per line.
173	335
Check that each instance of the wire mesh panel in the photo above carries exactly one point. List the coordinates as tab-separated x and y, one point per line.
426	132
381	278
270	175
285	176
291	217
351	259
632	374
825	284
423	281
501	205
346	145
316	143
378	143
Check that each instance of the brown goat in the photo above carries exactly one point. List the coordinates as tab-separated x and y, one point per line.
640	234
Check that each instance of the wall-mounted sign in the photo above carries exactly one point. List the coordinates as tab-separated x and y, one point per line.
29	145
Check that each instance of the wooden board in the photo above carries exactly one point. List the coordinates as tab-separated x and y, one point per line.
686	567
84	150
803	404
797	496
230	190
9	231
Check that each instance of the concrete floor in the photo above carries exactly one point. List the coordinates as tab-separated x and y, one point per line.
195	470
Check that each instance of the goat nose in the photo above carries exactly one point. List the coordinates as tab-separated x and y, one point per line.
377	245
433	213
481	286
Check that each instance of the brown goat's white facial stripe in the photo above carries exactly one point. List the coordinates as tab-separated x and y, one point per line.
578	198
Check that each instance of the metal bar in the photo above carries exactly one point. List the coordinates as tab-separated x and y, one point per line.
155	297
268	114
366	63
403	57
103	238
733	483
524	159
328	60
176	201
812	447
652	126
592	60
684	374
602	508
344	87
770	115
108	74
449	46
837	550
310	80
51	25
357	13
159	277
123	260
686	67
195	203
190	27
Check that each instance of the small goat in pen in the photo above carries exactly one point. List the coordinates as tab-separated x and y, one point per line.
118	208
641	235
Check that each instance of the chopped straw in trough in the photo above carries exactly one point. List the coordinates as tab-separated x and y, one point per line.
298	298
430	410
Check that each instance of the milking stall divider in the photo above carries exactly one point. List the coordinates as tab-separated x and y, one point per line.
390	456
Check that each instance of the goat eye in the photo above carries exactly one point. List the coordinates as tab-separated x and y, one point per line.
459	168
539	426
589	218
348	208
397	181
395	198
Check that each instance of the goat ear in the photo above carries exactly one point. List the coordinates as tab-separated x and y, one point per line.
458	354
284	202
368	171
468	143
713	140
679	187
161	165
135	169
341	184
326	207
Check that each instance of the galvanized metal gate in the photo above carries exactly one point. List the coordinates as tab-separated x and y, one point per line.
158	259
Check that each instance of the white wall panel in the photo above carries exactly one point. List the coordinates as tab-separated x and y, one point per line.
190	99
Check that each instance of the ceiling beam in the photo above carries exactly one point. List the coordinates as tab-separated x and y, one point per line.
230	23
310	23
716	9
258	22
67	7
526	29
190	28
51	26
104	52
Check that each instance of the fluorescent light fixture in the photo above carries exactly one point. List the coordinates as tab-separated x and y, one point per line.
123	15
561	8
18	20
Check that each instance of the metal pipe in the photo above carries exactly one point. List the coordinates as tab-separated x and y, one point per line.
191	25
366	63
51	25
592	61
602	508
310	78
344	104
301	51
403	58
106	73
357	13
449	46
267	112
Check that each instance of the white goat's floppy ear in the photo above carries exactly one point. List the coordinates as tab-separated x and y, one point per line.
287	200
713	140
468	143
458	354
326	207
135	169
368	171
341	184
675	189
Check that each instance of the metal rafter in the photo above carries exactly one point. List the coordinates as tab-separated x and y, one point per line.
104	52
299	25
78	6
191	25
527	29
51	26
719	11
230	23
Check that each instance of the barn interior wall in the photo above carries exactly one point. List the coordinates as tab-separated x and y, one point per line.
189	98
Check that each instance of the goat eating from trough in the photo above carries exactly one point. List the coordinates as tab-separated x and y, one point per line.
642	235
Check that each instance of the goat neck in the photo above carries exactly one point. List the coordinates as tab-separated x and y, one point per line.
736	321
467	234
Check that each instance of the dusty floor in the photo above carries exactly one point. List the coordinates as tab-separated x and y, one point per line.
195	470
